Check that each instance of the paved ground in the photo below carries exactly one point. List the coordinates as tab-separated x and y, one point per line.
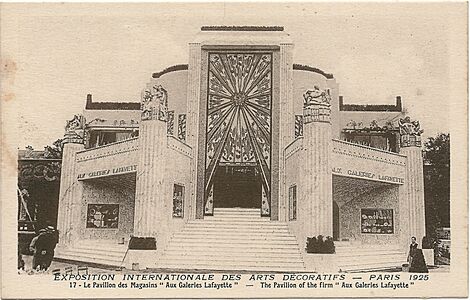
61	265
103	269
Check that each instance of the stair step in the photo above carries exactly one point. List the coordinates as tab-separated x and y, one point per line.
241	255
370	253
371	266
230	247
90	258
234	235
230	240
107	250
236	209
253	222
234	267
280	259
98	254
248	263
228	228
216	251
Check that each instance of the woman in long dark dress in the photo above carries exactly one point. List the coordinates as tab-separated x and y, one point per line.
418	264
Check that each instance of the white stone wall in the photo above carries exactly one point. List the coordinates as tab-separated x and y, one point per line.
108	193
293	165
350	216
175	84
177	171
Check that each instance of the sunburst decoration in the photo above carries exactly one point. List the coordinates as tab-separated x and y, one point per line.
239	112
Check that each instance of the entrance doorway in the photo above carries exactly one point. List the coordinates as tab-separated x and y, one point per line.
237	187
238	131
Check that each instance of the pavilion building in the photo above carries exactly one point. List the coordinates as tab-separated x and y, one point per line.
232	161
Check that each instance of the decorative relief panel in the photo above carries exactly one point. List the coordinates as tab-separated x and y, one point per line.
299	126
239	113
178	201
154	105
317	107
182	127
170	125
293	202
410	132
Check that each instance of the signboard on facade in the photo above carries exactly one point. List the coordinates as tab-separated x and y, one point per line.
368	175
377	221
108	172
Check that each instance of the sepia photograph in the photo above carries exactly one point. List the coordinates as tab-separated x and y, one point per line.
234	149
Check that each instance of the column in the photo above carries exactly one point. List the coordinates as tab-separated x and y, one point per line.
194	93
279	203
413	189
149	217
317	177
70	195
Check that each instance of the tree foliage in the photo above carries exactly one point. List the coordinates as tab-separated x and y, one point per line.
437	182
54	151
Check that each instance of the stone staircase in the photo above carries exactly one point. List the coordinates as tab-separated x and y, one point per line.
357	258
233	239
102	252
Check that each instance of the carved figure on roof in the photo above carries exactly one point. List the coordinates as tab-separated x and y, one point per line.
75	123
74	130
410	132
409	127
154	104
317	96
29	151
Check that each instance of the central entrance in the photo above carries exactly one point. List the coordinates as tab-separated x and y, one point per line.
238	131
237	187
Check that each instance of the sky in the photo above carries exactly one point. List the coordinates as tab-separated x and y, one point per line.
62	52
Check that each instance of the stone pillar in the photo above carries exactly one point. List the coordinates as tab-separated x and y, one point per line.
194	94
413	189
317	177
150	191
70	195
279	203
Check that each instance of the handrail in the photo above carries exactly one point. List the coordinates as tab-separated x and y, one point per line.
368	147
108	145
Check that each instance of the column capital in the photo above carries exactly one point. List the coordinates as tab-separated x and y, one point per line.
317	107
410	133
74	130
154	103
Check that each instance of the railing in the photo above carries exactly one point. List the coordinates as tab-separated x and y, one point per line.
179	146
293	147
370	153
109	149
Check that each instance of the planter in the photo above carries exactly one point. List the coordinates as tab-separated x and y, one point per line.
321	263
429	256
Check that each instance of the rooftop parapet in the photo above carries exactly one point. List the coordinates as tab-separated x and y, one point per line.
371	107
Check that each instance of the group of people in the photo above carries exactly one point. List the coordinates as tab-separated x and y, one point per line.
42	246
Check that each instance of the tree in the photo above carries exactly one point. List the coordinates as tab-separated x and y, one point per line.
437	182
54	151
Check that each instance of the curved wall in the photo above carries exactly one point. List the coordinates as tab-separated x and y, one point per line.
175	83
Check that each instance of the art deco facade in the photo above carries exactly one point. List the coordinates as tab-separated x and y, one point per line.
233	160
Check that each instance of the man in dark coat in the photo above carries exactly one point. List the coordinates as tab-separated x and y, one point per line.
52	239
38	247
